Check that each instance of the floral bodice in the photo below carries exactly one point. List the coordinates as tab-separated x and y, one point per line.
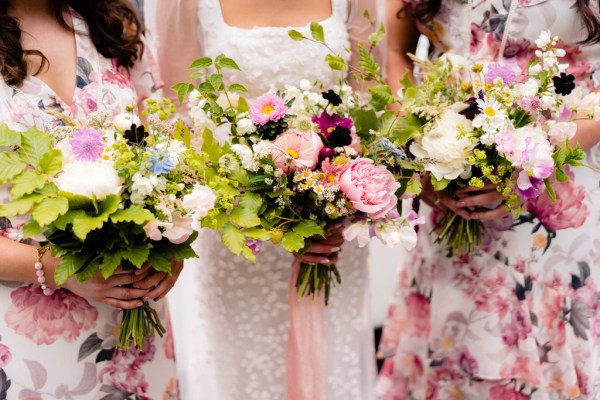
481	30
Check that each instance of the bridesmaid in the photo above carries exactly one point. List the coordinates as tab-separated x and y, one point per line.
516	319
72	57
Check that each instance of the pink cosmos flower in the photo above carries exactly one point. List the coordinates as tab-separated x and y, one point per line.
5	356
296	150
44	319
568	211
268	107
87	144
331	171
370	188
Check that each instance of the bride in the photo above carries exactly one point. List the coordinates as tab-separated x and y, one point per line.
234	316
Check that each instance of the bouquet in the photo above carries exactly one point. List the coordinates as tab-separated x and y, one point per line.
493	124
107	193
291	164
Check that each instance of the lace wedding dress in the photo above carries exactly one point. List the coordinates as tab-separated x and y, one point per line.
233	316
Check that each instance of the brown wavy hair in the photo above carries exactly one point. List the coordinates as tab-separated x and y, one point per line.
114	28
426	10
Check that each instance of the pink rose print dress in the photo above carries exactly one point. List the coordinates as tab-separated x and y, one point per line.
520	318
63	346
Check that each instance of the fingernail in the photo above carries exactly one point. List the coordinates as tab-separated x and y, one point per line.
147	299
135	286
461	204
326	261
335	249
139	304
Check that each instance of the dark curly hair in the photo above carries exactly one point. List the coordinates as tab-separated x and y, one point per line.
426	10
114	28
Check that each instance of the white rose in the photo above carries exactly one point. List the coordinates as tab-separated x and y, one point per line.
200	201
123	121
245	126
448	144
528	88
559	132
89	179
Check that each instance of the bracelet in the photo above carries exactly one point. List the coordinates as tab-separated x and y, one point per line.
39	270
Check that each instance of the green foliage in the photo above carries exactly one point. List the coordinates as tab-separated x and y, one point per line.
226	63
368	63
295	35
49	209
376	37
201	63
182	90
34	145
135	214
27	182
336	62
316	31
292	242
10	166
8	137
233	238
308	228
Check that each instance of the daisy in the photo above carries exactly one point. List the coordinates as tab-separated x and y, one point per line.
492	117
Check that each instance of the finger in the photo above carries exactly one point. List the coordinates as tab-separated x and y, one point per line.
316	259
125	305
150	281
322	248
486	188
334	258
145	267
480	200
125	293
492	214
451	205
161	289
126	279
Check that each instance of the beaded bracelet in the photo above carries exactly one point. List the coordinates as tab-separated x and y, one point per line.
39	270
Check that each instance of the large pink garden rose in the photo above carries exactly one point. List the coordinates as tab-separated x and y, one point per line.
370	188
44	319
569	209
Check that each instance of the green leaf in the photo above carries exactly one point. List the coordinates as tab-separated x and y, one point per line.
439	184
388	121
316	31
66	268
110	262
182	133
244	217
237	88
77	201
27	182
31	228
336	62
18	207
215	220
292	242
233	238
381	96
63	221
84	223
365	120
201	63
560	175
137	255
368	63
295	35
376	37
216	81
226	63
308	228
10	166
248	254
550	190
182	90
8	137
414	186
35	144
49	209
159	262
177	252
51	163
135	214
258	234
211	147
252	201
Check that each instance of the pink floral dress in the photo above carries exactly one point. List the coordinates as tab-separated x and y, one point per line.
520	318
63	346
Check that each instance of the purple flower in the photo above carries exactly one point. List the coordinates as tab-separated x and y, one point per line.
528	186
530	104
502	71
87	144
327	123
254	245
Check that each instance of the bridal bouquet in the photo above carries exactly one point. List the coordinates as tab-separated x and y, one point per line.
107	194
290	165
493	124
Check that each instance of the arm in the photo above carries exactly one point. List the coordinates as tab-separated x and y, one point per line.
588	134
177	30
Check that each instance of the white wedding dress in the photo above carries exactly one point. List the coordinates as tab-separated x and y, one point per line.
231	316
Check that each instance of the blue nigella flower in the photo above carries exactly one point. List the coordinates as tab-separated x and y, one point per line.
386	145
160	163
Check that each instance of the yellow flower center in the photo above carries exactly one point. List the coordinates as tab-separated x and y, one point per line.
268	109
490	112
331	178
330	129
293	153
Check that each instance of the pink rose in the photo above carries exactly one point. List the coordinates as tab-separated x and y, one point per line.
370	188
569	209
294	151
44	319
5	356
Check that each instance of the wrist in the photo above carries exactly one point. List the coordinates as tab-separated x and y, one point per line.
49	264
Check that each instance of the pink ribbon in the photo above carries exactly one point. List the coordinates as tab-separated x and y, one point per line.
305	373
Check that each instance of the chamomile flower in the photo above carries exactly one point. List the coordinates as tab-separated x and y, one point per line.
492	117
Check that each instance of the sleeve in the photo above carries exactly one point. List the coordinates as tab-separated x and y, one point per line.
360	28
178	37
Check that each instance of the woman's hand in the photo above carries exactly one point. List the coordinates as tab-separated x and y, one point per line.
116	291
324	251
159	283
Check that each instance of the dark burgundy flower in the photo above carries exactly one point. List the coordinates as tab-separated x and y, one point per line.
340	137
472	109
332	97
564	84
136	135
327	123
325	152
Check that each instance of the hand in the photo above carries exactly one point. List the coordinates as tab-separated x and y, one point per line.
159	283
116	291
483	203
324	251
440	201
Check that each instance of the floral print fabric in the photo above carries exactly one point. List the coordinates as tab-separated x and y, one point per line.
520	318
63	346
